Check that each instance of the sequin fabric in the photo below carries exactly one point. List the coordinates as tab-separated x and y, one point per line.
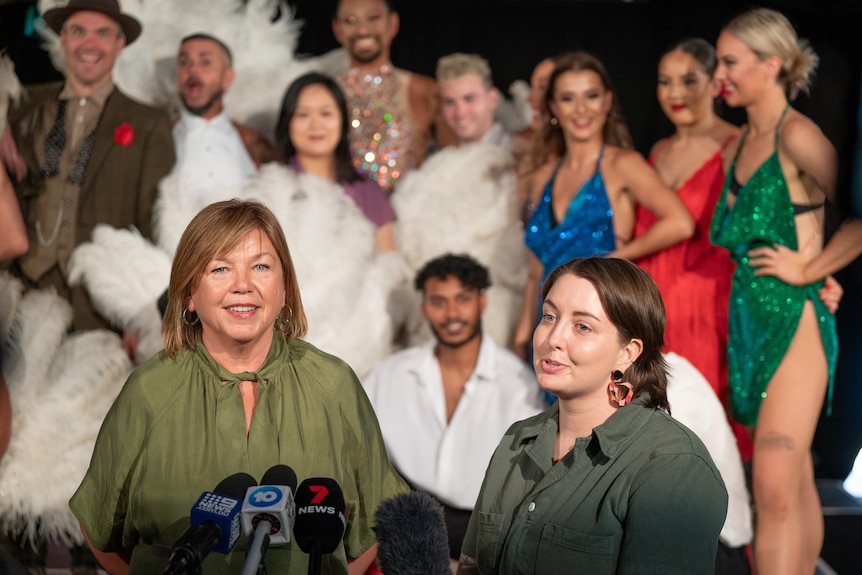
384	141
764	312
587	230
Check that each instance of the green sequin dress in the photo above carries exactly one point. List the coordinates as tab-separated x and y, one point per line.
764	311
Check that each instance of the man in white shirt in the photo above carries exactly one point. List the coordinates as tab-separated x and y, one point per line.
469	99
443	406
212	152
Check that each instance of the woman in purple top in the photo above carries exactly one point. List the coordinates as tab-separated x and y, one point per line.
312	136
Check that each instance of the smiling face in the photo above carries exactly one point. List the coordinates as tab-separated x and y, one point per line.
576	347
581	103
741	75
468	107
684	89
315	127
366	29
453	310
239	296
91	43
204	74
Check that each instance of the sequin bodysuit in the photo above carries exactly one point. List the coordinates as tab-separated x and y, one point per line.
764	311
385	140
587	230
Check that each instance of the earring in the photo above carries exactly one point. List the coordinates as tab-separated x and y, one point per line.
554	121
615	388
186	321
283	322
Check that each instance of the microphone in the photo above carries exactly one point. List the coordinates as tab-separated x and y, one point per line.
268	513
411	535
320	519
215	525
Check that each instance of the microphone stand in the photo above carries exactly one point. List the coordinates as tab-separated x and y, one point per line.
314	559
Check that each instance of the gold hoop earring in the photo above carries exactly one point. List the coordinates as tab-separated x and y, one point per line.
186	321
283	322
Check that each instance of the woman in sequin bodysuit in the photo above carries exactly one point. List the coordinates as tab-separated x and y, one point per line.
782	341
588	193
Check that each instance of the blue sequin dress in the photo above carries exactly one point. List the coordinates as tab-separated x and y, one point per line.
587	230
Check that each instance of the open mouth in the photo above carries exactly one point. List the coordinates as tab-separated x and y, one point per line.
193	87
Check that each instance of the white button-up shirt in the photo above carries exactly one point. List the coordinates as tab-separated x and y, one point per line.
694	403
210	156
448	459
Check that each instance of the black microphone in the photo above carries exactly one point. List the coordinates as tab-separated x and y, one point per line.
215	525
411	535
320	519
268	513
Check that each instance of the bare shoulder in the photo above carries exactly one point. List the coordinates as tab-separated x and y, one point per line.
543	174
723	133
800	134
619	160
424	85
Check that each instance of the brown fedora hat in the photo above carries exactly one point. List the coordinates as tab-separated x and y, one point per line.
110	8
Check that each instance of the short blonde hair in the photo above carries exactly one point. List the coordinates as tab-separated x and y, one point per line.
214	232
769	33
456	65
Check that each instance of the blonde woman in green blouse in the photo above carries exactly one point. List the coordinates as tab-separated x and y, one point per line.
235	390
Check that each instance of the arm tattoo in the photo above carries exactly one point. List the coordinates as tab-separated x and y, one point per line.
774	441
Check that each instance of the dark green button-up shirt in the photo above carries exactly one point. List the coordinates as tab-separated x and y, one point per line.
640	495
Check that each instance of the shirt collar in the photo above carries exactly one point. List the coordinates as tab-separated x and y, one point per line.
275	362
220	121
99	96
485	369
610	436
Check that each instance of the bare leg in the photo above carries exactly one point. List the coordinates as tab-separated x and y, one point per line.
785	496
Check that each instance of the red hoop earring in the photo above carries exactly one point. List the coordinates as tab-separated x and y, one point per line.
621	391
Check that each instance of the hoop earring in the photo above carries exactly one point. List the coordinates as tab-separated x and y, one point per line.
186	321
283	322
615	388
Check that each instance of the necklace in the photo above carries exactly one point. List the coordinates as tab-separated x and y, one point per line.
42	241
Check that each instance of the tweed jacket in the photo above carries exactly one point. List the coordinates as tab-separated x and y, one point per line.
121	180
133	150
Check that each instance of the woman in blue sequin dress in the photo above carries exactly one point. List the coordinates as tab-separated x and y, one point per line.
585	200
782	342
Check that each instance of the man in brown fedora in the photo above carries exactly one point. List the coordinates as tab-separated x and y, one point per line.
82	152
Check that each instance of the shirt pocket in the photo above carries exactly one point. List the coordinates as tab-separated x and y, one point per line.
562	550
488	539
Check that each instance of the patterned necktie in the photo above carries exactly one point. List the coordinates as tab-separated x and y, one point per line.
56	142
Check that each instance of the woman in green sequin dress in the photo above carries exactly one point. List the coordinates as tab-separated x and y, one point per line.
782	342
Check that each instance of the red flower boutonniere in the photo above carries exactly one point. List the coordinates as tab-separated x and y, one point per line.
124	134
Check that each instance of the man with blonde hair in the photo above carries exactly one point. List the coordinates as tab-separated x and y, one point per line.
469	99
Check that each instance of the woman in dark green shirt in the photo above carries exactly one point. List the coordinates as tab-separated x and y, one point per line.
235	390
604	481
